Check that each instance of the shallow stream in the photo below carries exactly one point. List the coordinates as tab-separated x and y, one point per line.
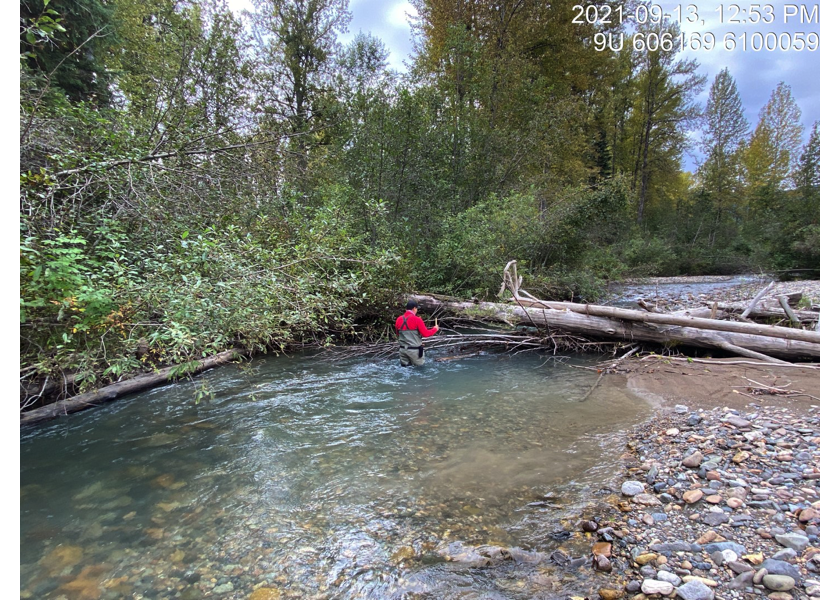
332	480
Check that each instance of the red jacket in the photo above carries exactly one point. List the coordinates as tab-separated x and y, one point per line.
414	323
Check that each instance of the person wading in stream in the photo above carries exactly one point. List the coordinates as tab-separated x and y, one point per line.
410	328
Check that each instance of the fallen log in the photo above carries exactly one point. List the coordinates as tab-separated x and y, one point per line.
122	388
755	300
783	301
763	311
613	328
785	333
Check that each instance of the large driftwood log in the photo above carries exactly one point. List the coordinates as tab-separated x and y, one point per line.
121	388
785	333
612	328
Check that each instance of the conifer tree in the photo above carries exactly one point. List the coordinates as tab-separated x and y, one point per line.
724	131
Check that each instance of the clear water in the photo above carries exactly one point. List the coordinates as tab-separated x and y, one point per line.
321	480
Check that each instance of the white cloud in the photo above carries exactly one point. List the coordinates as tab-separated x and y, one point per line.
398	15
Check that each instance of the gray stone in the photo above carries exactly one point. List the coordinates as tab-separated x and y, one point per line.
669	577
648	572
652	586
647	500
695	590
225	588
780	567
632	488
793	540
721	546
778	583
737	421
680	409
740	567
673	547
741	581
715	519
786	554
813	589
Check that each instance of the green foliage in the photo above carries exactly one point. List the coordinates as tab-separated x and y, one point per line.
550	241
66	42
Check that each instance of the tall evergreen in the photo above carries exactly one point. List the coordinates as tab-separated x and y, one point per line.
724	131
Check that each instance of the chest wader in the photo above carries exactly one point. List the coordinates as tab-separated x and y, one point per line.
411	346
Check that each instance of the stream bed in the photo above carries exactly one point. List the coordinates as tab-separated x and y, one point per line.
305	478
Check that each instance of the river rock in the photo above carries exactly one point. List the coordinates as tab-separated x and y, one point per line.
786	554
647	500
779	583
740	567
740	581
734	503
692	496
695	590
721	546
610	593
780	567
808	514
693	460
793	540
589	526
652	586
644	559
266	593
715	519
225	588
673	547
737	421
601	563
632	488
669	577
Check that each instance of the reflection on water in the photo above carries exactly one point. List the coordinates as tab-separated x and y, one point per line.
330	480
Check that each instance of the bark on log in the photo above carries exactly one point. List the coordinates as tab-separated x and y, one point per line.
121	388
755	300
602	327
785	333
783	301
701	313
768	312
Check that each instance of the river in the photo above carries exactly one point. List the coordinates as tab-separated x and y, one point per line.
336	480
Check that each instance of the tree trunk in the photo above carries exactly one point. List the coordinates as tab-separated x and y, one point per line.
612	328
785	333
121	388
762	311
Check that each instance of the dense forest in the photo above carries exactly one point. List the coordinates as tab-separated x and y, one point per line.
193	179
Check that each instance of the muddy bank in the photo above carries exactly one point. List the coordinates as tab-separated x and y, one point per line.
706	385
